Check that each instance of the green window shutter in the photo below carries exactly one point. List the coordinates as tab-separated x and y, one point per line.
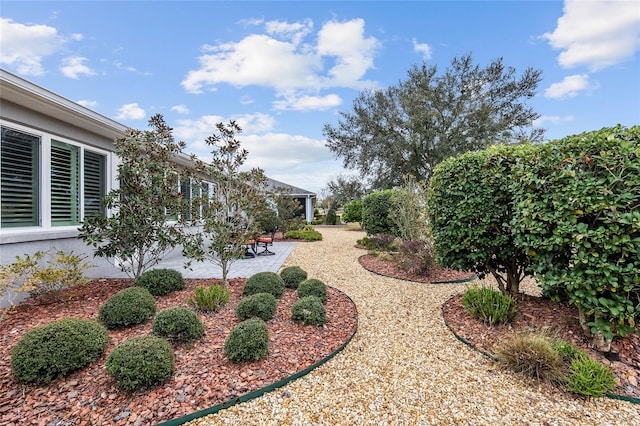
94	183
185	190
19	180
65	184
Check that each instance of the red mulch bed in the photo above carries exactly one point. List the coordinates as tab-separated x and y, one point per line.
534	314
204	376
389	268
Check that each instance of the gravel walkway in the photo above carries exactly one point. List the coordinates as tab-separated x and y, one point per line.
404	367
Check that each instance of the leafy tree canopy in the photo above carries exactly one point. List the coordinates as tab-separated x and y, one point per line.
408	128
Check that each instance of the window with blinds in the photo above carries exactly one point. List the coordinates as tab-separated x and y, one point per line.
94	183
19	179
65	184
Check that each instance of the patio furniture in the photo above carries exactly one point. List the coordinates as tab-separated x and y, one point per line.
265	241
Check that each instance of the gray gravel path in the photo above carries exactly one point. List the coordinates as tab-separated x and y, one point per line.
404	367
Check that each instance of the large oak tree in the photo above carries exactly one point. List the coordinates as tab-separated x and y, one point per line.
408	128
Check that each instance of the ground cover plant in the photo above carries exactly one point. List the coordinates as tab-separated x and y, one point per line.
203	375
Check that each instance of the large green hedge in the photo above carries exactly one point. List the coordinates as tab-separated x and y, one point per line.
577	214
470	207
375	213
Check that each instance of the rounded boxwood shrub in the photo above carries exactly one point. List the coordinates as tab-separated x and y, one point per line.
309	310
52	350
127	307
264	282
178	324
261	305
161	281
292	276
248	341
141	361
313	287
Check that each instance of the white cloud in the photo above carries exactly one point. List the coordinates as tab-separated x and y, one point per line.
195	132
24	46
280	60
266	151
552	119
131	112
569	87
180	109
353	51
295	31
308	103
423	48
88	104
73	67
597	34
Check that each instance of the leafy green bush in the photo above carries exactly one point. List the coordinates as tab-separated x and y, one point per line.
161	281
313	287
416	256
566	350
470	204
589	377
209	299
309	310
53	350
532	355
292	276
127	307
304	235
141	361
248	341
576	214
375	213
178	325
353	212
330	218
261	305
264	282
489	305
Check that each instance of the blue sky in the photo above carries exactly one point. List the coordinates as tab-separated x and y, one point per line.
284	69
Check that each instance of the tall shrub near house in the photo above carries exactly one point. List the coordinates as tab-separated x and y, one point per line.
353	212
138	232
375	213
577	213
238	198
471	206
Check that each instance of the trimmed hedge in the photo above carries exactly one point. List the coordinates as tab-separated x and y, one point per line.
293	276
53	350
248	341
264	282
160	282
178	324
261	305
309	310
141	362
130	306
375	213
313	287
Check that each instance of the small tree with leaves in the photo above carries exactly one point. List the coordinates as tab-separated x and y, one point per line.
138	232
238	198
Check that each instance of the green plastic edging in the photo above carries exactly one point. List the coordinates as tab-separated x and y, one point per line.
459	281
257	393
493	358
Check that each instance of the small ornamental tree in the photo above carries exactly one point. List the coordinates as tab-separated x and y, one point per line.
138	232
470	207
577	213
409	209
238	198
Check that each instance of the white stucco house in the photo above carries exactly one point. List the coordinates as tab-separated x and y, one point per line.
57	162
